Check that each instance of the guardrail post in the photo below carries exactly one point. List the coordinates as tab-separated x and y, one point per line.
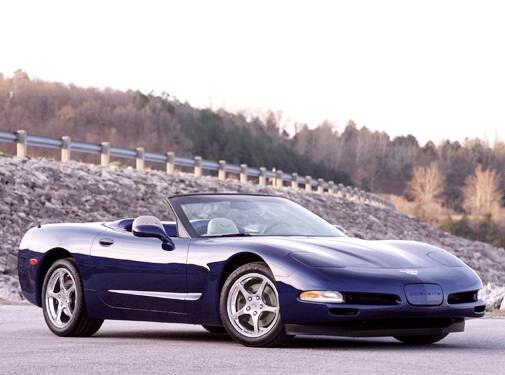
65	148
170	166
347	192
278	179
308	183
320	185
262	180
198	166
221	170
21	148
294	181
343	192
139	160
355	193
331	187
340	190
366	198
243	173
105	154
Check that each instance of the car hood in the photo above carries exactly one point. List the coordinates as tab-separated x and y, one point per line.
353	252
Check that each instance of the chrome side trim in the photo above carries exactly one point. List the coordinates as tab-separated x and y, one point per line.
166	295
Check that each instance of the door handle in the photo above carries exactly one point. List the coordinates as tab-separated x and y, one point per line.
106	241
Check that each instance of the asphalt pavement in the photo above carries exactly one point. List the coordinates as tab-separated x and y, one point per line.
28	347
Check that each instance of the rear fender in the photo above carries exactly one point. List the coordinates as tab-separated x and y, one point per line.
43	245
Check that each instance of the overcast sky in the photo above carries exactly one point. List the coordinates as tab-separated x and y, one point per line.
435	69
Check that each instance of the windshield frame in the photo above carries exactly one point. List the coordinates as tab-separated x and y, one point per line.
177	201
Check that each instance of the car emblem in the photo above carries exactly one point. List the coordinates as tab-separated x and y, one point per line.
409	272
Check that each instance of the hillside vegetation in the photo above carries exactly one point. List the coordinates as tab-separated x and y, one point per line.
158	123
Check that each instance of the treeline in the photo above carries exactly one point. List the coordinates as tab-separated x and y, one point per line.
457	186
158	123
383	164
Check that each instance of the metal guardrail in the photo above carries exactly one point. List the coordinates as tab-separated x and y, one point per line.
105	151
8	137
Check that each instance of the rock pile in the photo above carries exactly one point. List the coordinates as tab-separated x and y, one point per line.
36	191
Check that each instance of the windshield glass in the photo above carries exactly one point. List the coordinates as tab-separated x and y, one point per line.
248	215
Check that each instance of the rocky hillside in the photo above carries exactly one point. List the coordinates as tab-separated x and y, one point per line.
36	191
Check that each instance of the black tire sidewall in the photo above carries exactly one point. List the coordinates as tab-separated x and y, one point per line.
271	337
68	264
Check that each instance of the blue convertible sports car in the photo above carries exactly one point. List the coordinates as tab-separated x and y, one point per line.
261	268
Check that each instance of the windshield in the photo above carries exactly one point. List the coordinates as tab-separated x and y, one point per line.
248	215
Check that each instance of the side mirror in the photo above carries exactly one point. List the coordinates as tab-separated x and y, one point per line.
150	226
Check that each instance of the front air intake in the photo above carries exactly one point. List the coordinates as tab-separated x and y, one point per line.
371	298
462	297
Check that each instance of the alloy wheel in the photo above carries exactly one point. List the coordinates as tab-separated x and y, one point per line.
253	305
61	301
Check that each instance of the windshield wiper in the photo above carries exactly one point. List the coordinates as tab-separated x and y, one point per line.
230	235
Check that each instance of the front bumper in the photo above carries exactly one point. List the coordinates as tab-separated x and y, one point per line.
373	321
412	311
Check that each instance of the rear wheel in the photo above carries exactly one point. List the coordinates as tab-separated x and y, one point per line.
421	340
63	301
249	307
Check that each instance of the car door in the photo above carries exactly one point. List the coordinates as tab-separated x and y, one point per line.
137	273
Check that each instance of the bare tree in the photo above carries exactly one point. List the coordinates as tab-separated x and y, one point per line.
426	188
427	184
482	195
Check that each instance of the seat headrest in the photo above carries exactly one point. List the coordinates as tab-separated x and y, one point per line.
221	225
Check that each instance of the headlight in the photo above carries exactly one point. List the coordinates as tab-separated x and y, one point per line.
322	296
481	293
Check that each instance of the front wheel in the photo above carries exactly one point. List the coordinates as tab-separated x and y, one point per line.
422	339
249	307
63	301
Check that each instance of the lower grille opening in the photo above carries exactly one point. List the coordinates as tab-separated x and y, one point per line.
480	309
463	297
371	298
342	311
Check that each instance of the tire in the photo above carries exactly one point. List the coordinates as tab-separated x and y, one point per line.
241	297
421	340
65	309
215	329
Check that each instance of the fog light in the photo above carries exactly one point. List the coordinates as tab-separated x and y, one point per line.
324	296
